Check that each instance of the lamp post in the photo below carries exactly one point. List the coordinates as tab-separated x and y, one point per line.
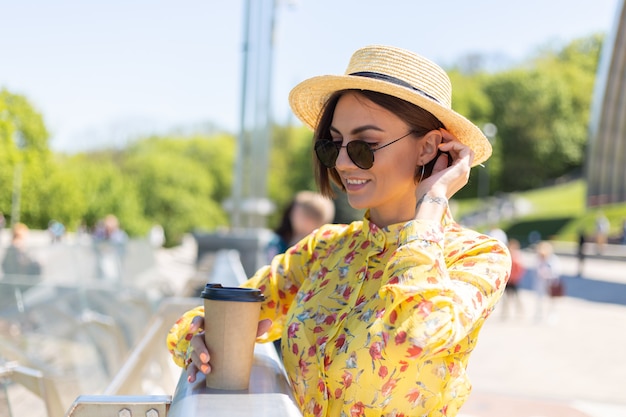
249	205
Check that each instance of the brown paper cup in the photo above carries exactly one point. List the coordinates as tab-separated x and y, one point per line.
231	321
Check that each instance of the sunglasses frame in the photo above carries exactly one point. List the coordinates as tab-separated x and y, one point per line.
352	152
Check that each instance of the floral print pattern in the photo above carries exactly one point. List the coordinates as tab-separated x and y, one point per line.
378	322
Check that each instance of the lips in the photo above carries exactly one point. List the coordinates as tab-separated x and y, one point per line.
354	184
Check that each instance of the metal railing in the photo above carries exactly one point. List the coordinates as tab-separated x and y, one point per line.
269	393
35	382
108	339
66	331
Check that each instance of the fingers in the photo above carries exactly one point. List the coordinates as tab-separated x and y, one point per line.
458	150
197	323
200	351
198	354
264	326
191	373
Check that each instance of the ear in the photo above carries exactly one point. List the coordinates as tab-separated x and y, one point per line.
428	147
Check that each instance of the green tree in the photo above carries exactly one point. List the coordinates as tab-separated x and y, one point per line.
290	167
470	99
105	189
21	124
542	114
174	185
25	160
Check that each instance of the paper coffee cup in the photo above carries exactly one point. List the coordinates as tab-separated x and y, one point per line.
231	318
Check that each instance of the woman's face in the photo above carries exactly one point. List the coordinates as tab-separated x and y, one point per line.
388	187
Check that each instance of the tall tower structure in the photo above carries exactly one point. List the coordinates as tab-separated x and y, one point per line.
606	157
249	205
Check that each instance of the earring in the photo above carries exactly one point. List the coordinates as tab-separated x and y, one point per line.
422	174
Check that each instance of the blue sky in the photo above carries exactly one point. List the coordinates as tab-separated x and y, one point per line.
101	71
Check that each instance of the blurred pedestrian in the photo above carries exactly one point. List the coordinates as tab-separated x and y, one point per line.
305	213
580	254
110	246
156	236
56	229
602	232
17	262
547	281
511	293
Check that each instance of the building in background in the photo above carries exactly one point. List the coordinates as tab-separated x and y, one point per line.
606	161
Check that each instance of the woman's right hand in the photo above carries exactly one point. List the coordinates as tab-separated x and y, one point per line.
199	353
200	356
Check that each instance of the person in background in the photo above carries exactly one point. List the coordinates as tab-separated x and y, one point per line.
17	262
56	230
307	212
110	245
580	253
378	317
602	232
511	293
156	236
547	273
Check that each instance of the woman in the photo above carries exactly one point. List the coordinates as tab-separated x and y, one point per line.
305	213
378	317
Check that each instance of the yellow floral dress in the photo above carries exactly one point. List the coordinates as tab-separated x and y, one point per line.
378	322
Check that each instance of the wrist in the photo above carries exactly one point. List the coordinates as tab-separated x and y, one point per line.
430	207
428	199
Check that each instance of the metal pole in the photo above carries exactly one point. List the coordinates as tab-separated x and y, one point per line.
17	193
239	164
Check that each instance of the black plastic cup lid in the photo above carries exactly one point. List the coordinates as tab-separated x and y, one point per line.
219	293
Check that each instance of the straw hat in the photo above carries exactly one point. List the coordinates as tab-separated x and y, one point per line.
399	73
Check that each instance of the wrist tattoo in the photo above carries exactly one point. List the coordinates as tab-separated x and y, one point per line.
442	201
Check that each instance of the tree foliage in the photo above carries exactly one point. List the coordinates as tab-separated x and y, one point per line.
104	189
542	114
176	181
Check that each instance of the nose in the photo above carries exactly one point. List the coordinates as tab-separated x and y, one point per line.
343	160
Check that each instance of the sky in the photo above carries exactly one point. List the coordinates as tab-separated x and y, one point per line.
103	72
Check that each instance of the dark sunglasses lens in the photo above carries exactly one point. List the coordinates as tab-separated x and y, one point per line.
326	152
361	154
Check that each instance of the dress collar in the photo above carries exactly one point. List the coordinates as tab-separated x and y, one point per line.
379	237
382	236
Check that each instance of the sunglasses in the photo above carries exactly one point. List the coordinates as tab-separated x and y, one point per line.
360	152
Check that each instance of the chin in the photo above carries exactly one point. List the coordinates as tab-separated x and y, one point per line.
358	203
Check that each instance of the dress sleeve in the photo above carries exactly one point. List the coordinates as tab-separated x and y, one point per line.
440	286
179	336
281	280
278	281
